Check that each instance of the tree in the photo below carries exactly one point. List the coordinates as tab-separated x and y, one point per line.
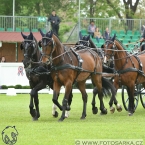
130	8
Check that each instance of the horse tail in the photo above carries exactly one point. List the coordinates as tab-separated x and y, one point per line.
108	88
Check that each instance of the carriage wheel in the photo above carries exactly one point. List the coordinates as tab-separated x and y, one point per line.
125	99
142	96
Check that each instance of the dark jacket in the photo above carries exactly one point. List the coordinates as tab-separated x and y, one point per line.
106	35
54	18
143	35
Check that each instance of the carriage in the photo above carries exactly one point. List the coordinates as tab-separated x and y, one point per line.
139	94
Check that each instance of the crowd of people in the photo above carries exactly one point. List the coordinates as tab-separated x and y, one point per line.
94	31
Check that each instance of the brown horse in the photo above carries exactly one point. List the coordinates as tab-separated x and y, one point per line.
69	67
86	42
129	68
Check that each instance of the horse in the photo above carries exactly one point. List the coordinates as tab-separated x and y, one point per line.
68	67
87	42
36	81
129	68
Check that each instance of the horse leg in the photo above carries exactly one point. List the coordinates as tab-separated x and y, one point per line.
67	113
97	81
54	107
131	100
118	106
54	112
56	90
68	89
94	108
31	106
112	109
34	94
81	87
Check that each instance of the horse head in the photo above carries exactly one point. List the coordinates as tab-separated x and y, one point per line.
29	47
48	45
109	47
83	41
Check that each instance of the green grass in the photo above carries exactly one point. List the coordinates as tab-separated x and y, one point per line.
14	111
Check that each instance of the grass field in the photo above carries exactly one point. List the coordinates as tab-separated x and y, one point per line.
14	111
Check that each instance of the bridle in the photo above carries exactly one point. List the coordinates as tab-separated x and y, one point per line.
49	56
85	43
31	44
107	42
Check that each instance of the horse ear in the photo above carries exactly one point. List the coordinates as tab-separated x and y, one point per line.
24	36
21	46
80	35
31	36
113	38
51	33
42	34
40	43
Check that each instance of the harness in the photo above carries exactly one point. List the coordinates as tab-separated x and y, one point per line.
78	68
32	42
130	69
53	44
70	66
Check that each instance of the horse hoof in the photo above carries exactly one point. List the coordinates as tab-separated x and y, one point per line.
119	107
55	114
95	110
83	117
112	110
130	114
103	112
61	119
34	119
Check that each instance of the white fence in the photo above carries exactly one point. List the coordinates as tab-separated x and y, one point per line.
13	74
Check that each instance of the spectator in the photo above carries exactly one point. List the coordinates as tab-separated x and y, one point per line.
142	28
142	39
143	36
97	34
91	28
107	34
55	21
3	59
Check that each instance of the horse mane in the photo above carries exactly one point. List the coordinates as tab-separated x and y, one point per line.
120	43
58	42
57	37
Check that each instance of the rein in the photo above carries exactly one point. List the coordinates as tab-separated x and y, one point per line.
132	69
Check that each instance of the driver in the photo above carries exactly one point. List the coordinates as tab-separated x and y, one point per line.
143	36
142	47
